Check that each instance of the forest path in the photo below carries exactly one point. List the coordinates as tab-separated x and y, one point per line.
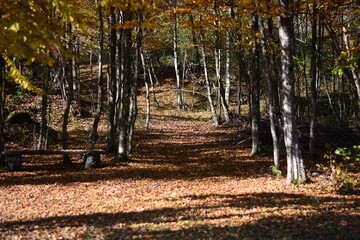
195	148
187	180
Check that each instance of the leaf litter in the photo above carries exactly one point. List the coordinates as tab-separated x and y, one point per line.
186	180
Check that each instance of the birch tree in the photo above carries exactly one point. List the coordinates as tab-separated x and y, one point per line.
180	98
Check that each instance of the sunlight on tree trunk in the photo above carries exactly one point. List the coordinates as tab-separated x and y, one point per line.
295	167
180	98
208	87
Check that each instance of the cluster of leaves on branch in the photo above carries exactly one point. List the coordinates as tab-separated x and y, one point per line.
32	31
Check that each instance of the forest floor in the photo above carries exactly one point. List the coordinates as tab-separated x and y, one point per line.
186	180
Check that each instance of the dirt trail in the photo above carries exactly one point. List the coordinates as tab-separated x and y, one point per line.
187	180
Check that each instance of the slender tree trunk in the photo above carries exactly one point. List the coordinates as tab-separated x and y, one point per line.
180	100
152	70
221	90
100	93
2	108
147	96
42	140
76	68
111	130
152	85
295	167
93	107
134	86
91	63
337	118
208	86
227	69
184	69
126	96
241	66
269	76
244	75
255	92
69	97
148	106
275	69
119	66
314	80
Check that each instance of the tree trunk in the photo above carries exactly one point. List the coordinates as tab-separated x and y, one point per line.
295	167
126	92
42	140
69	97
221	91
100	93
147	96
180	100
2	108
227	69
241	66
76	68
119	66
255	91
152	70
272	93
134	87
313	83
111	129
208	86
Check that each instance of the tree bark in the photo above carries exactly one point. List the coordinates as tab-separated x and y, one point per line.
69	97
314	80
147	96
126	92
295	167
180	100
255	91
111	129
134	86
227	68
100	93
272	92
2	109
42	140
208	86
221	90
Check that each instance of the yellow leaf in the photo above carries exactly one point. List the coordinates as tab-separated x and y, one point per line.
19	78
15	27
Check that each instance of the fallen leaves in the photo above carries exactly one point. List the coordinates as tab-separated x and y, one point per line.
186	181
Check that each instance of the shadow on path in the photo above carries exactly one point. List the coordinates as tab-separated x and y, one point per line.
337	223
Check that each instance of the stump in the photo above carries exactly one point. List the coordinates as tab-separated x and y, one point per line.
91	160
13	163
